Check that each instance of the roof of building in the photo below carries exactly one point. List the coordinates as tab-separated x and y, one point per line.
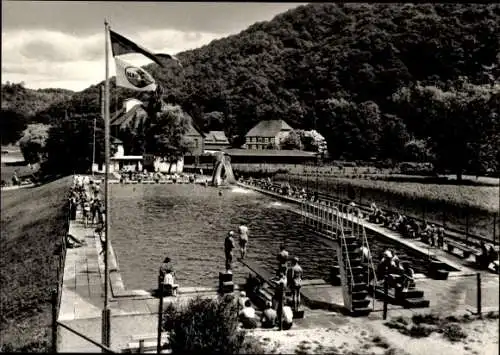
269	128
115	140
194	130
218	137
121	117
269	153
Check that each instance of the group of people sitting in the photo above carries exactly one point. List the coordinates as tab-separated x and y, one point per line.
269	317
409	227
400	275
284	189
488	258
128	175
288	277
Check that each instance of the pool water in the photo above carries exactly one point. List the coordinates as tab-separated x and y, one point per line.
189	222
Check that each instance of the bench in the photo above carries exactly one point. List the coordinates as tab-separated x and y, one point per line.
451	245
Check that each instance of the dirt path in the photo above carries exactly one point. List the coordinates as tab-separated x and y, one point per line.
359	336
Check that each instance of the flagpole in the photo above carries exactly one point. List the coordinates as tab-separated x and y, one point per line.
93	140
106	313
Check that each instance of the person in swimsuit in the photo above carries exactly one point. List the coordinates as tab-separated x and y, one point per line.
228	250
282	260
243	232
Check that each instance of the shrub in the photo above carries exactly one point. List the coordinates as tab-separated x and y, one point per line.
426	318
454	332
206	326
420	331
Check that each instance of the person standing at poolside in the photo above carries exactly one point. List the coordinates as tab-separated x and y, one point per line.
296	283
228	251
282	260
243	232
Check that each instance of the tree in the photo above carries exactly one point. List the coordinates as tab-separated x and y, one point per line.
213	121
417	150
291	141
166	137
461	122
393	139
312	141
69	145
33	142
12	125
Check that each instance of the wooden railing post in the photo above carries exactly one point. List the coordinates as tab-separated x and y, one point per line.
479	296
386	297
466	225
54	300
160	314
494	229
106	319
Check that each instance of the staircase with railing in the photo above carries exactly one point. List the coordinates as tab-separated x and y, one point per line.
327	219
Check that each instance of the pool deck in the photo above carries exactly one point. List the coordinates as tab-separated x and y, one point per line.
82	298
134	311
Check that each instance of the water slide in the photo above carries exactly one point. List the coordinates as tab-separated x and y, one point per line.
222	168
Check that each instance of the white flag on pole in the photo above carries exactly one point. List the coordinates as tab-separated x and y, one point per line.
132	77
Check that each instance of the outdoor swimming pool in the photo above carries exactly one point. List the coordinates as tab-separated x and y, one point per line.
189	222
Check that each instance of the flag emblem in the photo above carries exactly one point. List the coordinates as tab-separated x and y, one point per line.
138	78
131	77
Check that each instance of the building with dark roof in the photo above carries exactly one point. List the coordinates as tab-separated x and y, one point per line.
196	139
266	134
216	140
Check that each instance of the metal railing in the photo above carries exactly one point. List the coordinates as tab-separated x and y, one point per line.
460	230
347	264
104	348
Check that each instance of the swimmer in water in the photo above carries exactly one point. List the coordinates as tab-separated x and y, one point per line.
220	192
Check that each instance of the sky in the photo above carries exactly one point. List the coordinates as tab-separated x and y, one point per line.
60	44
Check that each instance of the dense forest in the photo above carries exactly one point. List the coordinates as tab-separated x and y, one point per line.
21	106
29	102
379	81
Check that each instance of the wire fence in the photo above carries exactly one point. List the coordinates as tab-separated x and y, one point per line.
464	223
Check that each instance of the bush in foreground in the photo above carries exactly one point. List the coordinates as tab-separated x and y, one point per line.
207	326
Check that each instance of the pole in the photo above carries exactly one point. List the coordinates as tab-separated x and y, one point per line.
466	225
160	314
106	315
101	97
494	228
55	297
479	294
386	297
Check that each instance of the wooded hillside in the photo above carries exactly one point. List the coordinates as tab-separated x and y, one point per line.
29	102
363	75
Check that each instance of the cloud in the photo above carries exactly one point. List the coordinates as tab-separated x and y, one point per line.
87	17
50	59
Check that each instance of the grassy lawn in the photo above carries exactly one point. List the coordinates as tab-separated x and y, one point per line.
33	221
482	197
461	207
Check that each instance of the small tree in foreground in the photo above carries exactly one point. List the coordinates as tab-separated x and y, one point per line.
206	326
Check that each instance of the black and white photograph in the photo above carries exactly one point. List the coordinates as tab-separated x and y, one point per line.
250	177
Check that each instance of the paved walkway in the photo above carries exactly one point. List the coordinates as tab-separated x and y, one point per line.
82	300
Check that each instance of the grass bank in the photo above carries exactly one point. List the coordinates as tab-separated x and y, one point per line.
33	221
472	209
